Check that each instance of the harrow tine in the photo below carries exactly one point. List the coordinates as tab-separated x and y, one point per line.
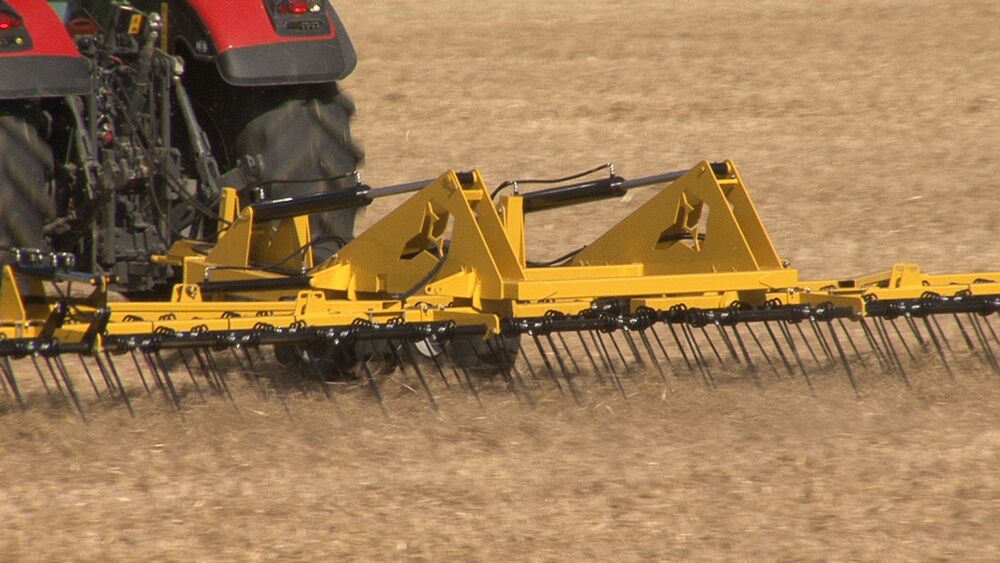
138	369
754	376
187	367
61	368
112	375
527	362
778	348
887	342
562	367
899	334
548	365
984	343
767	357
680	346
699	359
938	348
823	344
460	370
850	341
214	372
606	357
843	359
618	351
802	334
711	344
420	373
374	387
508	378
873	344
728	342
659	344
944	338
652	355
155	360
590	356
41	377
8	374
798	358
90	377
632	348
440	370
562	340
965	334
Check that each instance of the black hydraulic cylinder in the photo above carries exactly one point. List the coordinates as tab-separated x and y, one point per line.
573	194
356	196
262	284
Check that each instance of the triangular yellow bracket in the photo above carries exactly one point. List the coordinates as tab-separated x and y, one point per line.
701	223
405	252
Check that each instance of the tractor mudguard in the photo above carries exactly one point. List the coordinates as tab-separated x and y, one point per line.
253	45
37	56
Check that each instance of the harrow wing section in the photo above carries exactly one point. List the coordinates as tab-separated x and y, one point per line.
688	283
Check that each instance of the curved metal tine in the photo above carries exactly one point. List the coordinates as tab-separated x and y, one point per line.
152	358
61	368
142	376
187	367
251	372
562	367
590	356
902	340
984	343
113	371
461	369
618	350
850	341
779	349
767	357
823	344
659	344
938	348
8	374
795	353
601	351
916	332
41	377
548	364
680	346
90	377
611	366
989	325
374	387
111	376
210	379
887	342
965	334
802	334
873	344
527	362
508	378
633	348
420	374
569	354
843	359
213	369
652	356
944	337
6	390
754	376
699	359
728	342
440	370
715	351
112	389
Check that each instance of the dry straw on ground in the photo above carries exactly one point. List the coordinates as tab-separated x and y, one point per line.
868	133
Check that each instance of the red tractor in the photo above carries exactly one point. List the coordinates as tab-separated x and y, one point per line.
120	121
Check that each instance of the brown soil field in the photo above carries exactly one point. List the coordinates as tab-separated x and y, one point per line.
868	133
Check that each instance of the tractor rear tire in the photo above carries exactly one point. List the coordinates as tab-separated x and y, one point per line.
303	133
26	198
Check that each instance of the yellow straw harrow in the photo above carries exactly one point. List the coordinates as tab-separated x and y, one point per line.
440	293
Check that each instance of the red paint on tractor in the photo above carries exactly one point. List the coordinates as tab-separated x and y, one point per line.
252	27
48	35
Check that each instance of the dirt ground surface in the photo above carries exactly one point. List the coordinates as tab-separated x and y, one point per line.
868	133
